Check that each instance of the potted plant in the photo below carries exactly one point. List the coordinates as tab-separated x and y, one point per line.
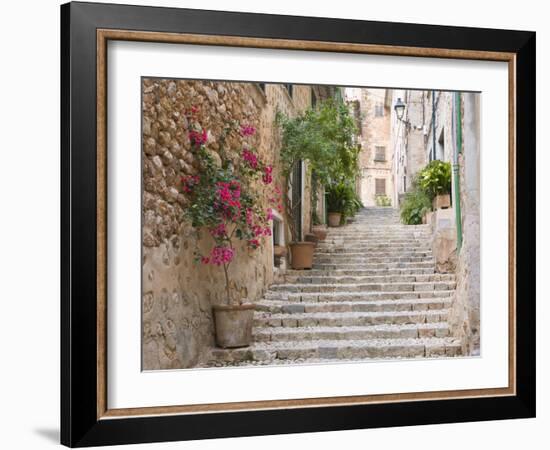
335	205
318	229
435	181
224	199
414	207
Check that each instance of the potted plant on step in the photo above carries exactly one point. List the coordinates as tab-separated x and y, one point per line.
224	203
335	204
435	181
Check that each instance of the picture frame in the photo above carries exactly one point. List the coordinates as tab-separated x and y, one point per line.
86	419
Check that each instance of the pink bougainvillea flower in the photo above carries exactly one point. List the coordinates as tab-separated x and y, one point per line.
250	158
267	177
221	255
219	231
189	183
254	243
269	215
247	130
198	138
205	260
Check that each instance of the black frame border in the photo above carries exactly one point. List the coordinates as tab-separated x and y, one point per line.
79	424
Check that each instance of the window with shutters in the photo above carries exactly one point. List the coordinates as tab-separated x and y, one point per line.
379	110
380	186
379	153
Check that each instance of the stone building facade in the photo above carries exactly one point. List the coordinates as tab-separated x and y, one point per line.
376	156
178	293
429	130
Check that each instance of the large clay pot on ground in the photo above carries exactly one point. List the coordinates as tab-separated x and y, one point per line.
334	219
442	201
302	255
233	325
320	231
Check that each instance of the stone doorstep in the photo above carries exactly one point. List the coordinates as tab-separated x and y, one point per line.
354	296
285	307
364	287
352	333
340	350
348	318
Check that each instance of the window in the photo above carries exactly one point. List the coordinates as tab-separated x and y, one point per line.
380	186
379	153
289	89
379	110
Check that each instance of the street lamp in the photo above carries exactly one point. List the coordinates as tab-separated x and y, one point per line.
399	108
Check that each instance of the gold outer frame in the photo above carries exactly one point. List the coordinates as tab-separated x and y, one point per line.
103	36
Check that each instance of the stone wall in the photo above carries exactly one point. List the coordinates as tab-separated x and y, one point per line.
177	292
465	315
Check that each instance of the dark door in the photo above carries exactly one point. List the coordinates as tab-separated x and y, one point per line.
296	182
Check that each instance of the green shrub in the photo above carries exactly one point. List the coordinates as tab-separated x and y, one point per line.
415	204
342	198
435	179
383	200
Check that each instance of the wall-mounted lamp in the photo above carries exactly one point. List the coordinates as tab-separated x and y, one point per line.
399	109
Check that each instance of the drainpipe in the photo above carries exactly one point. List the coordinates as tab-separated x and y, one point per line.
433	125
458	149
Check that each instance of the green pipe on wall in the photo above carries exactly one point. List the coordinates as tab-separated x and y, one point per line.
458	212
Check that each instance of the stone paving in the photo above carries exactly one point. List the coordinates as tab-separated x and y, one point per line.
372	294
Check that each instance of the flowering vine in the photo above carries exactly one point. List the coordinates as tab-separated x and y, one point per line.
225	198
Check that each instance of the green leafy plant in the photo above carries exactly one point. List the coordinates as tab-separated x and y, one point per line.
342	198
383	200
435	178
415	204
324	138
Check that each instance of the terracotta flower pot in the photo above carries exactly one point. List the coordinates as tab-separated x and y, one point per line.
334	219
233	325
302	255
311	237
320	231
279	250
442	201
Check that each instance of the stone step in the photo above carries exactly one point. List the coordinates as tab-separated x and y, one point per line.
353	253
333	350
357	272
374	244
372	265
343	296
364	287
411	331
357	260
336	319
287	307
358	246
386	278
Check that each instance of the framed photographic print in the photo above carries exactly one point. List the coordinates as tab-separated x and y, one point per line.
276	224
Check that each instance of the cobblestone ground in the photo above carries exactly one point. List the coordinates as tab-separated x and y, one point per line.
372	293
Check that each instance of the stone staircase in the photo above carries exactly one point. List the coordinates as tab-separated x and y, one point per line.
372	293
